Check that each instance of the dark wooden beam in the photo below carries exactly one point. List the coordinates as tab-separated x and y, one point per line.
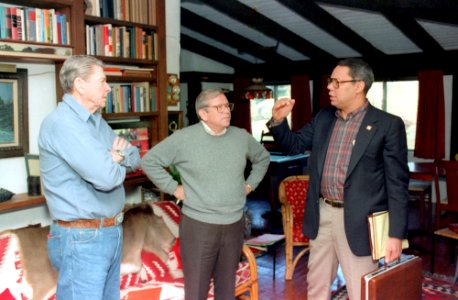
211	52
212	30
206	77
392	66
321	18
250	17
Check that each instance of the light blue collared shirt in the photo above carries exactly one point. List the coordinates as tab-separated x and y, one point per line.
80	178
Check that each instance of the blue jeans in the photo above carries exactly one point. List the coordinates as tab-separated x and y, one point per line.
87	260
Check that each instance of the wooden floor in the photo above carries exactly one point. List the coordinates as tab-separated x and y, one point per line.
296	289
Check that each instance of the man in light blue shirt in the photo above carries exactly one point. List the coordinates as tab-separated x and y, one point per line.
83	166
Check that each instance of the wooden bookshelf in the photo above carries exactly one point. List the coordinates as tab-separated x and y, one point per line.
21	201
153	24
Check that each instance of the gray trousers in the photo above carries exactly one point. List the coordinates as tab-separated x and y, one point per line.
210	251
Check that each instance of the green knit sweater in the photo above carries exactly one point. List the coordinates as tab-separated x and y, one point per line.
211	169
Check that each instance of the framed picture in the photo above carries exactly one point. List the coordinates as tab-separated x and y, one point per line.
14	128
175	121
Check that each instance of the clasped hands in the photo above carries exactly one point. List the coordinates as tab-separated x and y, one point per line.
118	147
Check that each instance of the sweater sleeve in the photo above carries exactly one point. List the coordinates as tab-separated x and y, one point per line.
260	160
155	162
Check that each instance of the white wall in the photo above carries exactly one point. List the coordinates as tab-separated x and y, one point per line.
173	46
13	175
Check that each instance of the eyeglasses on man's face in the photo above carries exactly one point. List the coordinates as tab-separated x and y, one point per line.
222	107
336	83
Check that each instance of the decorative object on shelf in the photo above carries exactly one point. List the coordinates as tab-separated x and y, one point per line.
14	128
32	164
175	121
5	195
258	90
44	51
173	90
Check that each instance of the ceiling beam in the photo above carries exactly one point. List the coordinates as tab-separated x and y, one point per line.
321	18
250	17
211	52
212	30
415	32
445	11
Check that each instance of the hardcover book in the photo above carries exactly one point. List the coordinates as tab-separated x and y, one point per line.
379	224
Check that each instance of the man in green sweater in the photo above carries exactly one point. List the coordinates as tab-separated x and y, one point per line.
211	157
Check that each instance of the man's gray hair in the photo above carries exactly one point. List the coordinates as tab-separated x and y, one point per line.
203	98
77	66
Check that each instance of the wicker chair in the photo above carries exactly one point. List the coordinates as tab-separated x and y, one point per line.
292	193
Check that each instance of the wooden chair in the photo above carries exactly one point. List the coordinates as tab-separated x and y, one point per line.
421	190
449	203
292	194
249	289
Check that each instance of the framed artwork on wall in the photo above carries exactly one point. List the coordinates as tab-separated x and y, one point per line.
14	128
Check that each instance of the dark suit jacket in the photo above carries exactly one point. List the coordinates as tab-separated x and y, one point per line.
377	177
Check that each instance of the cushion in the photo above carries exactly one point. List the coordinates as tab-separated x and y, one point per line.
170	212
296	192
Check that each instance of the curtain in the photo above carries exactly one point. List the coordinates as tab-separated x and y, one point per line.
430	135
324	94
241	116
300	91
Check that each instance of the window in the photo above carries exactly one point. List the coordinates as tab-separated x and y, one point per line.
261	109
398	98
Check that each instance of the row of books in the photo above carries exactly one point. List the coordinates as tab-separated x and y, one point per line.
34	25
122	41
138	11
131	97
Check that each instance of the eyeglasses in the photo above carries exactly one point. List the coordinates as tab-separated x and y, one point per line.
336	83
221	107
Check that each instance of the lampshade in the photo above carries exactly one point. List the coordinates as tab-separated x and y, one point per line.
257	90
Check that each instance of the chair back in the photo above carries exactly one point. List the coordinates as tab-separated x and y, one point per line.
293	192
449	169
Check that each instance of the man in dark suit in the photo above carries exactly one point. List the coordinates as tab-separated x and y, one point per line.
358	166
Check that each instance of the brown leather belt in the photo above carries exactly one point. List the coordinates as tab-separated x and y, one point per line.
92	223
333	203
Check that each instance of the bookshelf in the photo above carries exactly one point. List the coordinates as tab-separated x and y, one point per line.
44	26
129	37
146	20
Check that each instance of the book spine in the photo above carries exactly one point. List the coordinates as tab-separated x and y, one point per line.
14	29
8	23
20	24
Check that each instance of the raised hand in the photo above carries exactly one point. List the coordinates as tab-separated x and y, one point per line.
282	108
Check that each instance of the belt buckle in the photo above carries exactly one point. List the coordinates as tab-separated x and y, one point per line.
119	218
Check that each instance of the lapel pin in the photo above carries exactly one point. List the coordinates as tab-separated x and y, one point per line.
369	127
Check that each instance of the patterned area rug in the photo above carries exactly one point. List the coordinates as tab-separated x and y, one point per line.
435	287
